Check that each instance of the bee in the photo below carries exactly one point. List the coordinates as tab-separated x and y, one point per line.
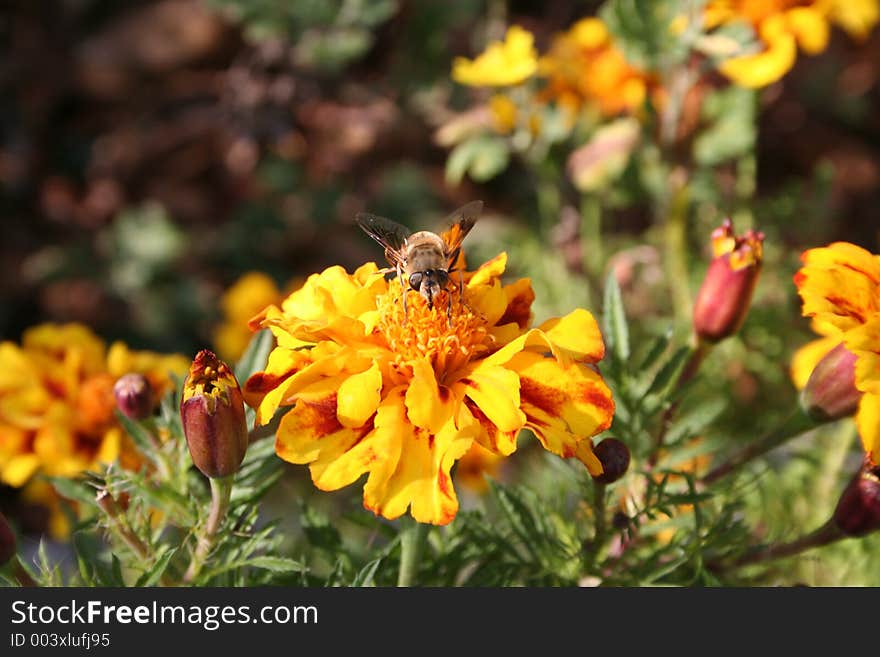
423	260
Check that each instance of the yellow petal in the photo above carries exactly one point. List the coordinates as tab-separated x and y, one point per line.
577	335
488	271
763	68
421	481
520	297
428	405
807	357
868	422
502	63
19	469
810	27
489	300
486	432
495	390
864	342
563	404
839	285
359	396
856	17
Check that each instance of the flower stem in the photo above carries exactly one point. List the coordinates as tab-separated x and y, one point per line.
591	234
824	535
599	517
796	424
412	540
221	491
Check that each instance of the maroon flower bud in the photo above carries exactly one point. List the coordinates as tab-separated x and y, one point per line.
858	510
614	457
7	541
212	410
831	391
134	396
726	293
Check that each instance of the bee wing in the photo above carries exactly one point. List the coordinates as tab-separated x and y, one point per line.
390	234
460	223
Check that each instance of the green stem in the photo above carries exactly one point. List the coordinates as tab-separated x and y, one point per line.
412	541
599	517
824	535
796	424
221	491
675	251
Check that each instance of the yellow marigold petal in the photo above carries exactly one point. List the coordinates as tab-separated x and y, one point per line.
520	297
473	468
421	481
503	63
19	469
807	357
868	422
577	335
589	33
488	271
564	404
864	342
856	17
111	446
359	396
810	27
583	452
488	299
428	405
486	432
495	390
310	432
763	68
839	285
503	112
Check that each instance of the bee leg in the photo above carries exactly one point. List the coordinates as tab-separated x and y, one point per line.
449	309
403	292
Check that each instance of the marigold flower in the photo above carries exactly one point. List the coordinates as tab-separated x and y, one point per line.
212	413
57	402
502	64
726	293
840	289
369	393
783	26
584	68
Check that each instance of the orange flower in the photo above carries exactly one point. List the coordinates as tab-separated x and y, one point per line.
366	389
56	401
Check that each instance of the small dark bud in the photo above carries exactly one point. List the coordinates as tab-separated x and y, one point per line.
614	457
134	396
858	510
620	520
7	541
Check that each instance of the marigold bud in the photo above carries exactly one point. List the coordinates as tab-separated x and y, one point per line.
726	293
212	410
613	454
831	391
134	396
7	541
858	510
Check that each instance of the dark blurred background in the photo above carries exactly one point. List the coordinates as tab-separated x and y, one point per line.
152	152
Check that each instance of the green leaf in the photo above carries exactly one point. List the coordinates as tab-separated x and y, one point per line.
154	574
255	356
656	350
731	132
280	565
74	489
318	529
669	374
366	575
482	158
139	434
614	320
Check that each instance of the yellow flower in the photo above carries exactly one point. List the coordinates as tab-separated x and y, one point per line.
502	64
784	25
402	398
840	289
245	298
56	401
585	68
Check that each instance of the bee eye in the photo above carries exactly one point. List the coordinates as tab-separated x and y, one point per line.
415	280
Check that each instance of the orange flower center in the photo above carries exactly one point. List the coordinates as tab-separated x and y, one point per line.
448	338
